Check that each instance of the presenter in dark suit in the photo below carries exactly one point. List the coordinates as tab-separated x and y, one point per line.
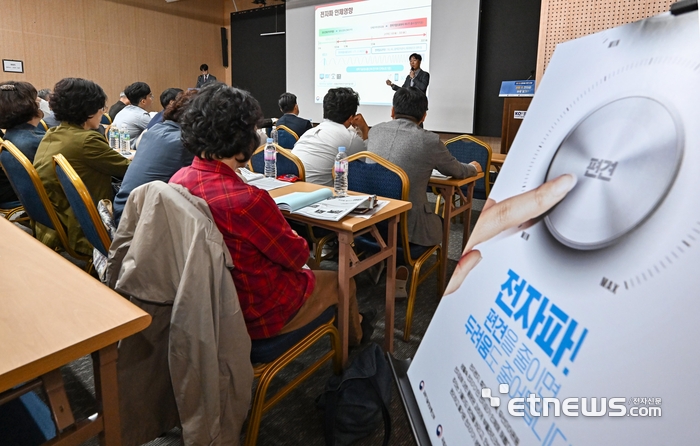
205	77
416	77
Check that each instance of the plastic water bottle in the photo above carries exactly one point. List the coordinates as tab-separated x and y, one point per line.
125	140
273	134
114	137
341	173
270	159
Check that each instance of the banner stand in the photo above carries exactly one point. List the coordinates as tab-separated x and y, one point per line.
399	367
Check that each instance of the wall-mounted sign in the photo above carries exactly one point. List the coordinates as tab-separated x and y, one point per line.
12	66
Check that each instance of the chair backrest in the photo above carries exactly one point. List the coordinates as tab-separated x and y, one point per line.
44	124
82	204
384	178
28	186
106	120
467	149
286	137
287	162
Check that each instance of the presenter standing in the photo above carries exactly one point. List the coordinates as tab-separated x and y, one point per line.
205	77
416	78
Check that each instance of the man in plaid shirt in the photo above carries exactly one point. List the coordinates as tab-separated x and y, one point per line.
276	294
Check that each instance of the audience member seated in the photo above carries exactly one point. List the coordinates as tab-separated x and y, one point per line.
160	154
19	116
290	118
167	97
319	146
135	116
49	117
79	105
277	295
118	106
417	151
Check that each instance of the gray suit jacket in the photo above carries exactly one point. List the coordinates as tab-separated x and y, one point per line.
421	81
417	152
201	82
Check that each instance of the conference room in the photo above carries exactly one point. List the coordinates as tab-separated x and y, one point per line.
249	264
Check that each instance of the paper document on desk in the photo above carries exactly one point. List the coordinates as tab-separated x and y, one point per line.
334	208
269	183
248	175
436	174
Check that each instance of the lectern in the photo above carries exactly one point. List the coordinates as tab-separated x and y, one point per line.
518	95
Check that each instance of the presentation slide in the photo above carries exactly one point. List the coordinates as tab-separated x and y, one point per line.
362	44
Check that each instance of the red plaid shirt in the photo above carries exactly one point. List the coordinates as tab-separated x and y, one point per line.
267	256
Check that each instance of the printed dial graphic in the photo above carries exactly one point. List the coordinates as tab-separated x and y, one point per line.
626	155
630	141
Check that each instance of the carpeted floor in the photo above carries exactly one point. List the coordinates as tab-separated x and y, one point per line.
295	419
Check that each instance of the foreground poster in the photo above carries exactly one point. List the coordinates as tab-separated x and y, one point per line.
592	310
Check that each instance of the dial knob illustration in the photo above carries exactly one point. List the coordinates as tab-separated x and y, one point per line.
625	155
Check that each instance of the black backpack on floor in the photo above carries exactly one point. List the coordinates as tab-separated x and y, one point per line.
356	402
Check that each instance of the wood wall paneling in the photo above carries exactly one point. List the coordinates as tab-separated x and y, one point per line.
112	42
563	20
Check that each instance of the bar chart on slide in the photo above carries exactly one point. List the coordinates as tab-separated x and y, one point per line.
362	44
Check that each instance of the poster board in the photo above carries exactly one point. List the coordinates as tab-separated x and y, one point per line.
597	299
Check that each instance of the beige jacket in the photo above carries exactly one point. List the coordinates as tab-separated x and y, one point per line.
194	359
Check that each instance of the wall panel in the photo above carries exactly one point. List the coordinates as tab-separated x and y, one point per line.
563	20
112	42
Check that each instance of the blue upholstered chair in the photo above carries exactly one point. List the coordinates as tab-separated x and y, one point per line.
467	149
269	356
106	119
31	193
10	208
286	137
380	177
82	204
287	162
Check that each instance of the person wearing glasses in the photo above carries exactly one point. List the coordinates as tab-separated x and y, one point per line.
135	116
79	105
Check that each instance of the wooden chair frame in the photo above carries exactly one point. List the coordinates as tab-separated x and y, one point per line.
414	264
266	372
288	130
60	161
486	168
285	153
48	206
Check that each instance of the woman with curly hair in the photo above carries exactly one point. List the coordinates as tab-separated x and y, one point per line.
19	115
277	295
78	104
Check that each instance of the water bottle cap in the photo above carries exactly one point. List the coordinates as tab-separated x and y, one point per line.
341	149
270	140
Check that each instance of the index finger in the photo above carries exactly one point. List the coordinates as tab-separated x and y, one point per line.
519	209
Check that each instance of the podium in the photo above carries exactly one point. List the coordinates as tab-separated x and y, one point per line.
518	95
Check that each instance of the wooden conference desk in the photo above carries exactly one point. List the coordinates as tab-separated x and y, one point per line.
53	313
497	160
448	187
348	263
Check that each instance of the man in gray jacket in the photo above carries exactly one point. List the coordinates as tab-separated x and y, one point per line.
417	151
